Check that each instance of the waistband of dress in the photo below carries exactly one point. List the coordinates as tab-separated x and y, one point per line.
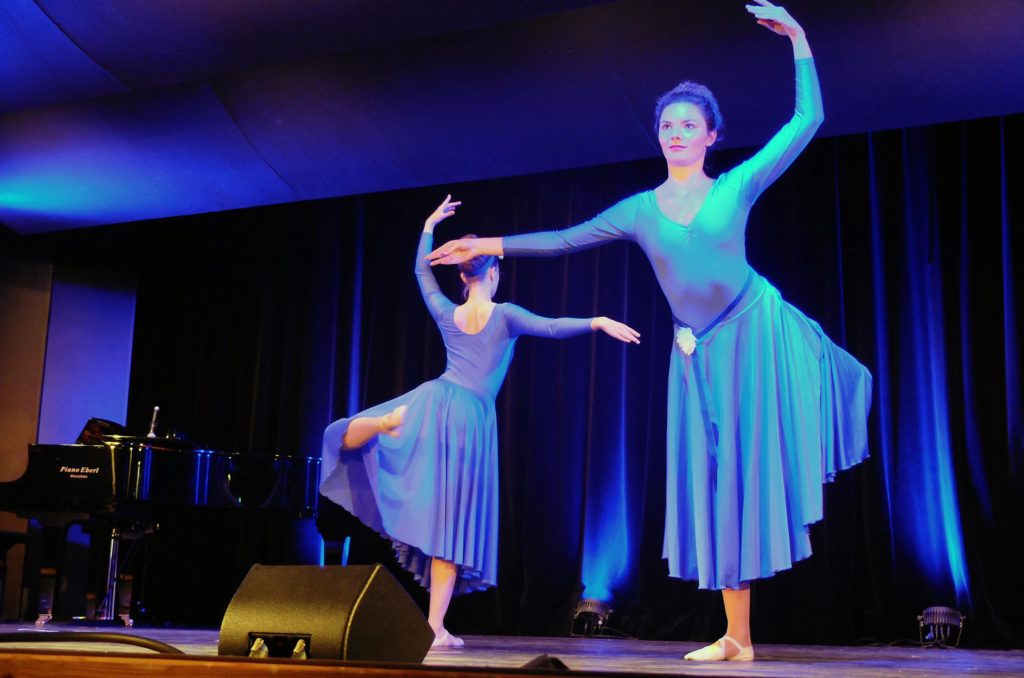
753	288
450	379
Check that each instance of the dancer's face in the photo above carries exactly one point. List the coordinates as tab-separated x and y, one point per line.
683	134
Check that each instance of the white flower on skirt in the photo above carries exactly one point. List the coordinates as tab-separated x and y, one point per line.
686	340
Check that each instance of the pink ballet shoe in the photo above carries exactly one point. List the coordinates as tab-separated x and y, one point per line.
715	652
446	641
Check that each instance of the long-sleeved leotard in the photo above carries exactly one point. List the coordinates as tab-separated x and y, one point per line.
762	407
434	489
701	266
480	361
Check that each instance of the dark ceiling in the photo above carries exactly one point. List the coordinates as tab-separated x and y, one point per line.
117	111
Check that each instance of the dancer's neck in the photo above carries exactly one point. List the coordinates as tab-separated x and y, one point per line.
684	176
478	296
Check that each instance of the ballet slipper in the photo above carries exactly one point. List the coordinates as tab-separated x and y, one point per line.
446	641
392	421
715	652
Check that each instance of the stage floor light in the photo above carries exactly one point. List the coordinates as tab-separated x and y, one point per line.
937	625
590	617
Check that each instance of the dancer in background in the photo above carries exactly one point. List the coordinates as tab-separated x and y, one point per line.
762	407
422	469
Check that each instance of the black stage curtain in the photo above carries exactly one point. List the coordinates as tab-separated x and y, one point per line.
256	328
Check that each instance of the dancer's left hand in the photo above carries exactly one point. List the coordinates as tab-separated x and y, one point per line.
775	18
616	330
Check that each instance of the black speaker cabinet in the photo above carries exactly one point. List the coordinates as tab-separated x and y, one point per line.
358	613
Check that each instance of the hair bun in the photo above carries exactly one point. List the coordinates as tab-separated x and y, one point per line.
477	265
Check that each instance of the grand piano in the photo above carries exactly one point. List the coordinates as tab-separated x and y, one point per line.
127	487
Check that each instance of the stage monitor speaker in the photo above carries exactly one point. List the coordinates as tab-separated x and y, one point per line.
356	612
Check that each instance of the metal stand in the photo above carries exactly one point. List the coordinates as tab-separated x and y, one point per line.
108	608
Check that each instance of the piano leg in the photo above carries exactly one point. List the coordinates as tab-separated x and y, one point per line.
111	605
108	608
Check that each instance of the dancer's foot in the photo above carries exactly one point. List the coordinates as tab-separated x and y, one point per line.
446	641
392	421
725	648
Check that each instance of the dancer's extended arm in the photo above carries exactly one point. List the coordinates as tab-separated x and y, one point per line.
615	223
520	322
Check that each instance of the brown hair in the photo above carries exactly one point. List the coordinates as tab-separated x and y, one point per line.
475	267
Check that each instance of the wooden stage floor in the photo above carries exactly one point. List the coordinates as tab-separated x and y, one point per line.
488	656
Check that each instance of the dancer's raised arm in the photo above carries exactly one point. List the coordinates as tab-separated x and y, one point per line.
433	297
757	173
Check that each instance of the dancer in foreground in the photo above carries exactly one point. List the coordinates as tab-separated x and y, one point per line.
763	408
422	469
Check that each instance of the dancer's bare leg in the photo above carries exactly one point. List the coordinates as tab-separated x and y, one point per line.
362	429
735	644
737	613
442	584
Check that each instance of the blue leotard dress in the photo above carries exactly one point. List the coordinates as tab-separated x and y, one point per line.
766	408
433	490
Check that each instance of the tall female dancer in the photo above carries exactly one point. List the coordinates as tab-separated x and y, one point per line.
762	407
422	469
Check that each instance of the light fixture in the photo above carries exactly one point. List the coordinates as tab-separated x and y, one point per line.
590	617
937	625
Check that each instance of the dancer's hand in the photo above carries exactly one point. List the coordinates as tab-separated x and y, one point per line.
464	249
443	211
778	20
775	18
616	330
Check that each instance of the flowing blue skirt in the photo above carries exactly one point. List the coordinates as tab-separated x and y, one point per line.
433	490
765	410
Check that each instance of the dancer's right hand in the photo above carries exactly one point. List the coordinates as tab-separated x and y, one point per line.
443	211
775	18
616	330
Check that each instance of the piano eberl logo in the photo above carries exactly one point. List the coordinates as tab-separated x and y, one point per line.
80	471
